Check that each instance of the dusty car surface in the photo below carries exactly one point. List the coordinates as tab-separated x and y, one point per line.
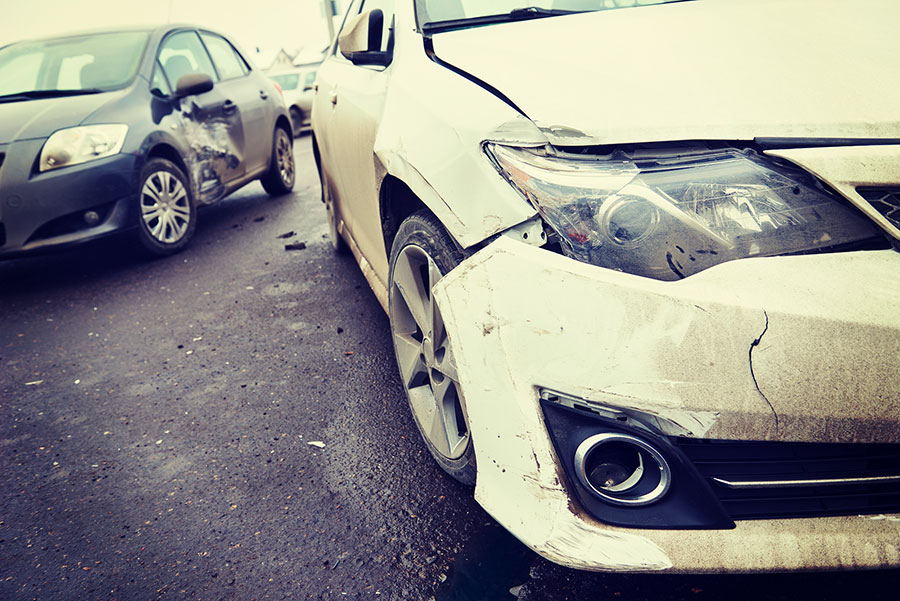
297	87
131	130
640	263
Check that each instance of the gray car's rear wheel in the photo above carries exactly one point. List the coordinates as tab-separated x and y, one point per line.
422	252
279	179
166	215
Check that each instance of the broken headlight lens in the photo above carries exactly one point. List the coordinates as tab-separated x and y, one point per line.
670	217
82	144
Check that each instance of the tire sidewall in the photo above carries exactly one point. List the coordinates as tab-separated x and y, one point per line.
424	231
145	239
272	181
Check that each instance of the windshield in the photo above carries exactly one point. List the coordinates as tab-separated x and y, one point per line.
99	62
437	11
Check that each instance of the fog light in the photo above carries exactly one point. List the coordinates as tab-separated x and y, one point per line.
622	469
91	217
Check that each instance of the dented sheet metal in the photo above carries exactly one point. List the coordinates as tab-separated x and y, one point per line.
473	203
735	352
215	141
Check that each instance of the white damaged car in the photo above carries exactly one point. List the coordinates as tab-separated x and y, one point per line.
640	262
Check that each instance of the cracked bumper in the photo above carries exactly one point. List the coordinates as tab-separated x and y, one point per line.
783	348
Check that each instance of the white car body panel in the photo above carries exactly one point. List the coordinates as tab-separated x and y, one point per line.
643	74
521	318
799	348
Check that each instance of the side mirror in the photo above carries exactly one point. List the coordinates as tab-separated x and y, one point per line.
360	42
193	83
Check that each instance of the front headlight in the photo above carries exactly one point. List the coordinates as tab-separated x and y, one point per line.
81	144
670	217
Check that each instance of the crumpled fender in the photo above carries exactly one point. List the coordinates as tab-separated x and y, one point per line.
441	149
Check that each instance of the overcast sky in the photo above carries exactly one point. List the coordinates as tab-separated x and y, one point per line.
265	24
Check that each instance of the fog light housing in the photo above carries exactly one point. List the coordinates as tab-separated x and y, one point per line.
91	217
622	469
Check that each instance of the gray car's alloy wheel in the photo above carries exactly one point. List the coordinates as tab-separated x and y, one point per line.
166	210
279	179
422	252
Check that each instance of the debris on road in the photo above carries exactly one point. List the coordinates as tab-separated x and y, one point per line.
35	383
295	246
316	443
286	235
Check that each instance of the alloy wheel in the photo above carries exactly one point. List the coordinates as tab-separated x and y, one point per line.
165	207
427	366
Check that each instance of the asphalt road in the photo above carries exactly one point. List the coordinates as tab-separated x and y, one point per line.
227	424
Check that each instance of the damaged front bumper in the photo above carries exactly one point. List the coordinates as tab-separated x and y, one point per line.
788	350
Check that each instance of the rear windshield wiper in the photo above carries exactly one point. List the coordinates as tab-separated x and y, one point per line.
35	94
517	14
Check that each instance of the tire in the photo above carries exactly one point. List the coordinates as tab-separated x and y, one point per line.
422	252
296	121
166	212
279	179
337	241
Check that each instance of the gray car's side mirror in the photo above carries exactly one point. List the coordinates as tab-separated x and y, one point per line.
193	83
360	42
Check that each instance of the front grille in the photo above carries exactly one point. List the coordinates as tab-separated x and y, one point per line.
885	200
756	480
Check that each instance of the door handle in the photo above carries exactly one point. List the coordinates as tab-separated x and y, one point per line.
263	95
229	107
333	97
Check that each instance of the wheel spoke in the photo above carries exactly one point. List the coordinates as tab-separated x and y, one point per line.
409	284
437	429
151	190
447	395
158	228
182	211
409	358
150	212
444	361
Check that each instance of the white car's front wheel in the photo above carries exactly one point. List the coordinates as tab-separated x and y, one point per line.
422	252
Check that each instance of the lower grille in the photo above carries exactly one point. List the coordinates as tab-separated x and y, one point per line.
885	200
755	480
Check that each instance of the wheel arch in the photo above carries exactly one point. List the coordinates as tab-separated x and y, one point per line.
397	201
166	151
284	123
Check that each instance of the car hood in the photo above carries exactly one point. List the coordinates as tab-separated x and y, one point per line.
30	119
718	69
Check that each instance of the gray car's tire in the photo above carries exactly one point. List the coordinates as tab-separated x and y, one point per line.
296	121
421	253
166	212
279	179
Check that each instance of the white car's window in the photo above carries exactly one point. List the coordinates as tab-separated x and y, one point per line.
227	62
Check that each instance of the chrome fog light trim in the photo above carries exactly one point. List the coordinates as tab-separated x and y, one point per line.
622	469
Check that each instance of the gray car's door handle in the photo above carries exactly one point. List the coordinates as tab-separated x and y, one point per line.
263	95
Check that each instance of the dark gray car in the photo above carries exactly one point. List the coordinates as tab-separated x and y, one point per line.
131	130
